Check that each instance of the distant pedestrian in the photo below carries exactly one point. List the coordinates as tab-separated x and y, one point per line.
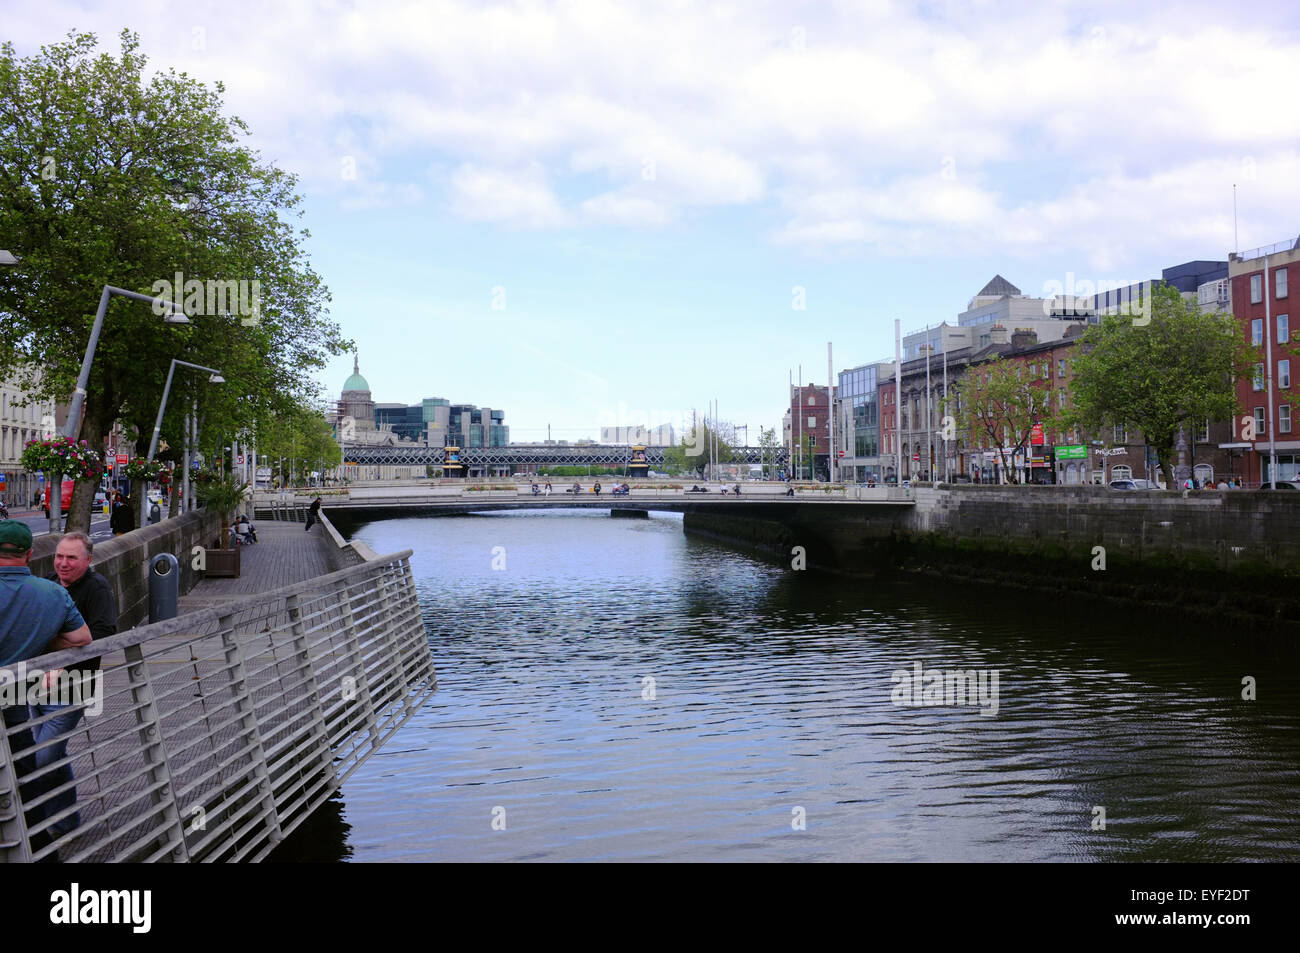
548	489
121	519
313	513
596	489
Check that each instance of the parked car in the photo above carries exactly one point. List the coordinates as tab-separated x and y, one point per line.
962	478
1283	485
1123	485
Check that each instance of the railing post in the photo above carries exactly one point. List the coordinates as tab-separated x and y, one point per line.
248	721
303	653
359	666
390	641
153	750
14	845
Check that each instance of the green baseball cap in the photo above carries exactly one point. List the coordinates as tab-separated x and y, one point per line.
15	537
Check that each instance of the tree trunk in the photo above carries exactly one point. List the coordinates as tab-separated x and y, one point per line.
80	512
174	506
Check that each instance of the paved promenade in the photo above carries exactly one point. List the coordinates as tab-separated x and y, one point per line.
283	555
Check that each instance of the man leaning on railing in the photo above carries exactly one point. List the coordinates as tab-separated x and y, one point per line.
36	616
93	597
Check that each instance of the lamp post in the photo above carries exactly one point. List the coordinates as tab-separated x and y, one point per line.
72	426
216	378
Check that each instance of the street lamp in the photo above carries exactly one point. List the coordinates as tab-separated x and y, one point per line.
172	316
216	378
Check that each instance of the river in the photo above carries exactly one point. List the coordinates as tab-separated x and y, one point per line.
612	689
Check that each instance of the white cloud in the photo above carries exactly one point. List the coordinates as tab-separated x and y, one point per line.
840	116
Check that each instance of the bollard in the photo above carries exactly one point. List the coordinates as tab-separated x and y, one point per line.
155	513
164	587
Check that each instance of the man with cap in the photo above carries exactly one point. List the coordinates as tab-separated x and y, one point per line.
36	616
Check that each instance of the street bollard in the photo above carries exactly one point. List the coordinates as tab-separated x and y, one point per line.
164	587
155	513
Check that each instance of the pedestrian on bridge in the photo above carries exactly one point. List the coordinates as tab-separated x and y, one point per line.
548	489
313	513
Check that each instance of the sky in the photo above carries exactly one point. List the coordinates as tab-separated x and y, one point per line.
595	214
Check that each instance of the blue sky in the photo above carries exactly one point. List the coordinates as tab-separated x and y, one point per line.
640	188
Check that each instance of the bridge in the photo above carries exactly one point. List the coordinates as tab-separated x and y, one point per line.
836	526
531	456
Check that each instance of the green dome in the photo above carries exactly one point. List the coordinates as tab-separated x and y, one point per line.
356	381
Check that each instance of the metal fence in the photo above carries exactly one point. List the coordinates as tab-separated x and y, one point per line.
219	731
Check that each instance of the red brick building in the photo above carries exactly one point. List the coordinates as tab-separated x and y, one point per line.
810	417
1261	301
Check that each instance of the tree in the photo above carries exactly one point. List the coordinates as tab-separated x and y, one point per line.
696	449
768	442
1161	376
999	405
107	177
301	434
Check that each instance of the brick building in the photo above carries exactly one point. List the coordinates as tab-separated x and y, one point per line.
810	416
1260	282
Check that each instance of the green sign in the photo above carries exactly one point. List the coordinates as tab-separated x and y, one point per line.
1072	453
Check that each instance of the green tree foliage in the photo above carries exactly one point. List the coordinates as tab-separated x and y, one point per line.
110	176
302	434
1161	376
1000	401
767	440
695	452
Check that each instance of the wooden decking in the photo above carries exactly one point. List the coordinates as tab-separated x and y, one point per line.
284	554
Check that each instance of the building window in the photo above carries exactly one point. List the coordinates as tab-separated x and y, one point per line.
1256	289
812	422
1203	433
1284	373
1283	329
1060	367
1284	418
1258	382
1259	422
1120	434
1257	331
1280	285
1121	472
1060	397
812	399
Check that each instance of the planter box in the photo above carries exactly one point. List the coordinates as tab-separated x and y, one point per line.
221	563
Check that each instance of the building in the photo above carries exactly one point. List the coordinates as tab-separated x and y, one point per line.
809	431
1261	302
660	436
1001	304
858	446
471	426
21	419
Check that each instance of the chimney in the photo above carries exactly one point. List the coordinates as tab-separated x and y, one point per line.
1023	338
997	334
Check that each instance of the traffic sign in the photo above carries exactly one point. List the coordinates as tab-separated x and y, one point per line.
916	458
240	461
121	459
110	451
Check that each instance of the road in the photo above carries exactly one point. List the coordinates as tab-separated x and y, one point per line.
40	526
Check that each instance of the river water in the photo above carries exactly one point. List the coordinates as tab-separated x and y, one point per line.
616	690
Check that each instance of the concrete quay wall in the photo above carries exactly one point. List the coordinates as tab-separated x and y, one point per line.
1233	556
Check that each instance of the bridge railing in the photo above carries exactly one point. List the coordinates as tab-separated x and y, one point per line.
214	734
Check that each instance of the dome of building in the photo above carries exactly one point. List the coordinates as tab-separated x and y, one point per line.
356	381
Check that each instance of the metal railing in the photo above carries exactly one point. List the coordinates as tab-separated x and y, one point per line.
216	733
1288	245
286	511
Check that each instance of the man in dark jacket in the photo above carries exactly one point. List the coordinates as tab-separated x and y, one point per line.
94	599
121	519
313	512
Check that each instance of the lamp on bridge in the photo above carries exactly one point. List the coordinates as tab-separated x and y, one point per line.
637	466
452	466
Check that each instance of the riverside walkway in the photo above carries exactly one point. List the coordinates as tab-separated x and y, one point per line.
218	732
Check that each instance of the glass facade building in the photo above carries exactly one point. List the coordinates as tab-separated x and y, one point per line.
859	424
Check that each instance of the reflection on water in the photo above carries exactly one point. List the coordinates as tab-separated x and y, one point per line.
619	691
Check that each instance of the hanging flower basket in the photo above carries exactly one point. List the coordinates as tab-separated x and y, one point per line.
165	478
62	455
141	469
